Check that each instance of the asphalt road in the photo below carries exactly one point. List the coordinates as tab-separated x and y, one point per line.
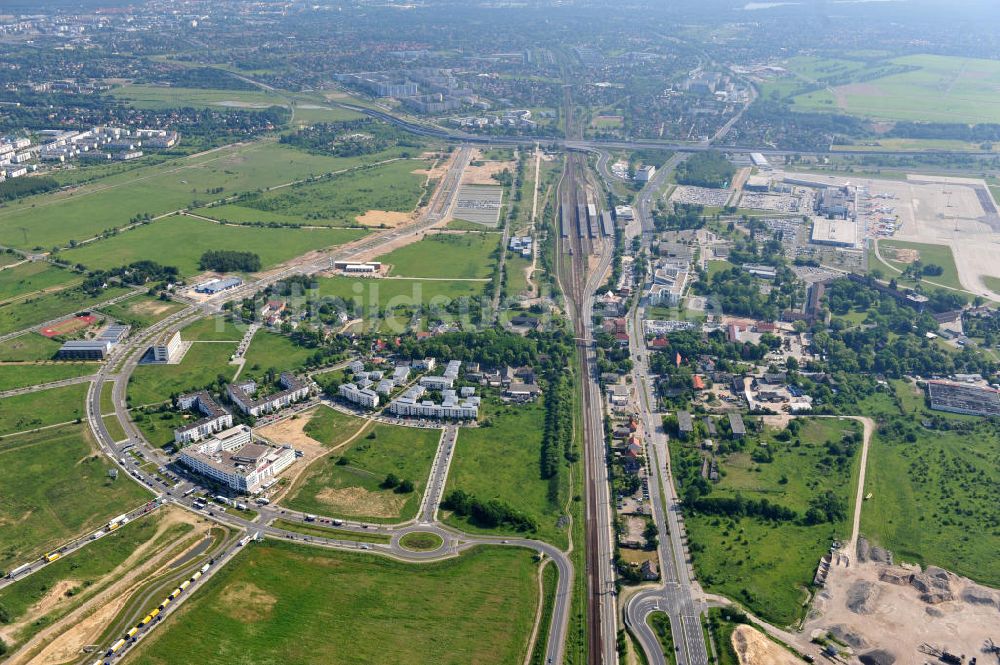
677	594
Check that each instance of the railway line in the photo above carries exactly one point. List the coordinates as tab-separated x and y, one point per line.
581	242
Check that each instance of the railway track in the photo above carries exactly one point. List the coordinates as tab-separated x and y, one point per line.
580	238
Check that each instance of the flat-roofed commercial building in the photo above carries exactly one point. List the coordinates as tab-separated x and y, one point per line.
835	232
233	459
963	398
84	349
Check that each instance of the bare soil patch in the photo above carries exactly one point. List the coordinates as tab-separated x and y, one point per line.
754	648
64	639
149	307
905	607
384	218
483	174
247	602
361	502
903	255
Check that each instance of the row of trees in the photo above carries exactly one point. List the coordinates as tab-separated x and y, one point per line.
488	514
228	260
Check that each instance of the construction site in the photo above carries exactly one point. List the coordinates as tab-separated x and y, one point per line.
879	612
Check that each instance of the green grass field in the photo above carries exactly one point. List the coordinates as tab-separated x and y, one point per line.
335	201
56	487
276	352
142	310
934	500
446	256
161	97
768	565
47	407
285	603
180	241
31	277
940	255
502	461
157	427
31	312
992	283
19	376
939	89
202	365
307	114
56	218
355	489
31	346
383	293
114	427
213	329
84	574
517	276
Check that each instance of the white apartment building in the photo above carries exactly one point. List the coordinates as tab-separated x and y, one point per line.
216	419
366	397
451	408
242	394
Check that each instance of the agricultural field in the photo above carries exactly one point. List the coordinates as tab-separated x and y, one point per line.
40	409
32	277
56	218
446	256
203	364
50	306
56	590
163	97
180	241
55	486
19	376
28	347
934	497
284	602
767	564
502	462
142	310
939	255
349	483
934	89
335	201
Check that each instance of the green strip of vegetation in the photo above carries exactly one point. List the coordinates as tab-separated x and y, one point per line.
660	623
335	534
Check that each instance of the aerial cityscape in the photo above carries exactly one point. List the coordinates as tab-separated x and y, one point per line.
499	333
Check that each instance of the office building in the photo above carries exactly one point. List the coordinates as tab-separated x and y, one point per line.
233	459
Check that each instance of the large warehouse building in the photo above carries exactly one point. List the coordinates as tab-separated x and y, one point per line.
835	232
